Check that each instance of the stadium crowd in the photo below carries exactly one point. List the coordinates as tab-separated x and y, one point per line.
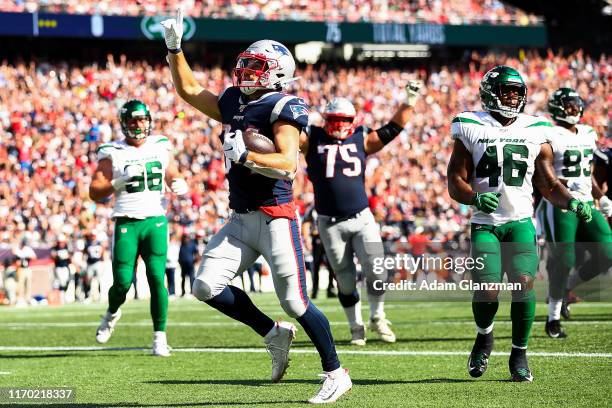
52	117
378	11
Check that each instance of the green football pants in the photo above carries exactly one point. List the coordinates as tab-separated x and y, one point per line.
508	248
149	239
563	229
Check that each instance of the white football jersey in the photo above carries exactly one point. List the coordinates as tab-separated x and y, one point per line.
504	161
142	196
573	158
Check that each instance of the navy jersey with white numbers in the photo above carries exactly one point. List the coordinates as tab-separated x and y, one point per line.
337	171
604	157
249	190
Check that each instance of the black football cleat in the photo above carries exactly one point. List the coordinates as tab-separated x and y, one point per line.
554	330
479	357
565	310
519	368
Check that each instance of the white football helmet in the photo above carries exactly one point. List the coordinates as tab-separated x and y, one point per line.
266	64
339	115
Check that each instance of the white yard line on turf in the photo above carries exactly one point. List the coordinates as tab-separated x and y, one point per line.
304	351
26	325
4	373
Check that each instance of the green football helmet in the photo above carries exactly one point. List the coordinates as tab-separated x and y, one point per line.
492	88
566	105
134	109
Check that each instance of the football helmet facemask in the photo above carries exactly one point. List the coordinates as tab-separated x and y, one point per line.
265	65
130	116
339	115
566	105
503	90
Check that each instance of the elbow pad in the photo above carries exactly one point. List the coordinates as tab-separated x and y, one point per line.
389	132
269	171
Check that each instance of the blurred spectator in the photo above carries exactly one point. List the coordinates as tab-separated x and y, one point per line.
47	113
396	11
9	280
24	254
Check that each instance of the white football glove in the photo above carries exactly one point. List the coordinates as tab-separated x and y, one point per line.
233	146
131	171
179	186
605	204
412	92
173	30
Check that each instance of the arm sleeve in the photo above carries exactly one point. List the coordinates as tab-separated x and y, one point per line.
224	98
459	132
601	157
105	151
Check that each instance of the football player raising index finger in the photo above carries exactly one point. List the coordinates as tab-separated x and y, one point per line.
263	221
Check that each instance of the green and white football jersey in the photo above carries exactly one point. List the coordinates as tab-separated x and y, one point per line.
573	157
504	161
142	196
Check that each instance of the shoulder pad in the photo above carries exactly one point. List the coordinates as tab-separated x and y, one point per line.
536	121
468	118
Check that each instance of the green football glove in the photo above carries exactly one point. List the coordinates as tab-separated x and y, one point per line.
581	209
486	202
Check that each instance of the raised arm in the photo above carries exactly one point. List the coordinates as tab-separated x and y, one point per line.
184	81
376	140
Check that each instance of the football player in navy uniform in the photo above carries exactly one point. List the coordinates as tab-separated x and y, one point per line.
263	219
94	250
336	158
62	269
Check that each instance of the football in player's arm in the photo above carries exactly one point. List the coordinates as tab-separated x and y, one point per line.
134	170
261	197
495	156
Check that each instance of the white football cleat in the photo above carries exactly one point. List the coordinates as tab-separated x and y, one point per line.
161	348
381	326
335	384
107	326
358	335
278	341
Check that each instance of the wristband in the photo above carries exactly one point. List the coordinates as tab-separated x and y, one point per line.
243	157
389	132
174	50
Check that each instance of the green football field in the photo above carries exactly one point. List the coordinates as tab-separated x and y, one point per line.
217	362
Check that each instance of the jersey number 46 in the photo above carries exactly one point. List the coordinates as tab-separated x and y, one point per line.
513	171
